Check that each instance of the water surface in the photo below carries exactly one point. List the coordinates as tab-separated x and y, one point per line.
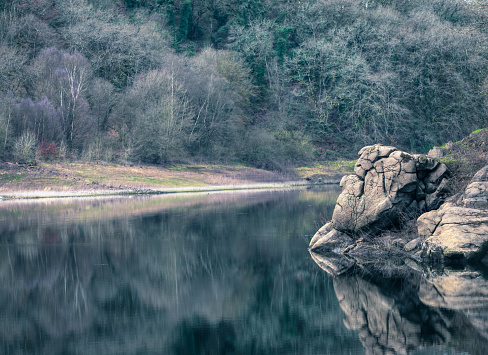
218	273
214	273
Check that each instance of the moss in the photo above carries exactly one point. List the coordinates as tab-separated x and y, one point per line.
448	160
478	131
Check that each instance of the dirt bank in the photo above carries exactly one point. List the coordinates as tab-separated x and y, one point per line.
66	179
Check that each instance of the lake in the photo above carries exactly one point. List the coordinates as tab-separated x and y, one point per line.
215	273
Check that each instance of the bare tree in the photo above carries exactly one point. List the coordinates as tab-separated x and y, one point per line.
64	79
154	118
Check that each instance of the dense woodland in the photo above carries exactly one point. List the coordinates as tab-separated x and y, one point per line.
267	83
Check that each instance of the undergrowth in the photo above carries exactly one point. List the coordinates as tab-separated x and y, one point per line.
465	157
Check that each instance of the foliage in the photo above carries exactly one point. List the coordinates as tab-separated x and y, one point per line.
48	150
465	157
256	81
155	118
64	78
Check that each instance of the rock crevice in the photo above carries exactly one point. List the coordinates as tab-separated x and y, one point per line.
458	230
388	184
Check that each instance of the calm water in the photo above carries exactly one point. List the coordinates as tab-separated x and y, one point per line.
219	273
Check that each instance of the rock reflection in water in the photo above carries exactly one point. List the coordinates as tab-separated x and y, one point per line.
207	274
398	310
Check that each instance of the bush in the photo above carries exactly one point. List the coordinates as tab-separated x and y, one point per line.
48	150
25	148
276	150
465	158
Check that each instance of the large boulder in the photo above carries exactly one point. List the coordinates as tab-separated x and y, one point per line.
387	185
458	230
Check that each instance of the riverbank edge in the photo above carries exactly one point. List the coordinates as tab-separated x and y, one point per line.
39	194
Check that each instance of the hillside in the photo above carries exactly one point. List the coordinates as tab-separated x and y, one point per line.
268	84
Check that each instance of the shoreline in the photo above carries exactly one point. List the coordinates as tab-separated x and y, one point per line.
79	179
82	193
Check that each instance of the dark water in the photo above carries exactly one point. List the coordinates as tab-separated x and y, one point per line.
221	273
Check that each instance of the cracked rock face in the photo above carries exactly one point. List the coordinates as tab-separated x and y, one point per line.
388	184
458	231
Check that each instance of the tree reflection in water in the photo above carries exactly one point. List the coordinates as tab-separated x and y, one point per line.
399	310
204	274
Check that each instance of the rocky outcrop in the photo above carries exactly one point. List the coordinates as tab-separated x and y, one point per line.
387	185
329	239
476	194
458	230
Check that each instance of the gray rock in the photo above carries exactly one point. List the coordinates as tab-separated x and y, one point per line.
481	175
435	199
435	153
427	223
461	234
413	244
334	241
420	191
322	232
458	230
422	206
433	179
375	152
476	195
425	162
386	187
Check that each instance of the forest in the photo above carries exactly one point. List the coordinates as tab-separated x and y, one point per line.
266	83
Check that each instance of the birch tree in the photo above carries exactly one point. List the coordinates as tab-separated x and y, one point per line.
155	118
64	79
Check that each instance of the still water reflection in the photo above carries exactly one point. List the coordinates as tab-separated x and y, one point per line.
225	273
400	307
219	273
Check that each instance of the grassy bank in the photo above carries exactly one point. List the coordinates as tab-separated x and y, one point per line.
73	179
